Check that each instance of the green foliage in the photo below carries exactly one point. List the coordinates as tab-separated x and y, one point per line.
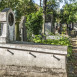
69	50
50	33
37	39
34	23
68	13
20	7
64	29
51	9
62	41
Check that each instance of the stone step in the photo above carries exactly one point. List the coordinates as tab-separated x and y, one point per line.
73	39
72	64
74	50
74	44
74	47
75	55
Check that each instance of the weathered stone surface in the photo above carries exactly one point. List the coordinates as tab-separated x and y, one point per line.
2	16
22	29
47	28
30	72
33	60
8	31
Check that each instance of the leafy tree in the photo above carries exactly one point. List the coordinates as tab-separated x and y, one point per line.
52	8
21	7
68	13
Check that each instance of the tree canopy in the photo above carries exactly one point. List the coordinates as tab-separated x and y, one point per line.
69	14
20	7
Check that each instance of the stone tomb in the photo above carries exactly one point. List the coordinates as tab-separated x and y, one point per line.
26	59
7	20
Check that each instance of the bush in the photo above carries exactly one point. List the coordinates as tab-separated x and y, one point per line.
34	23
61	41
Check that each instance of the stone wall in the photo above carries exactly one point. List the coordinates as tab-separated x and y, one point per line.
32	60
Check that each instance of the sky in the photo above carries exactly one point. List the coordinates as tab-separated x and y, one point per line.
38	2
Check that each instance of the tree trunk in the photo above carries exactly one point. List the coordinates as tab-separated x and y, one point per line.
52	24
40	3
44	16
67	29
60	28
72	25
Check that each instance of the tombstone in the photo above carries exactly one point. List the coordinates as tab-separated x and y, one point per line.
7	20
22	29
47	28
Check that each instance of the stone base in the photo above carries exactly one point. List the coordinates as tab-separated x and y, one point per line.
3	40
23	71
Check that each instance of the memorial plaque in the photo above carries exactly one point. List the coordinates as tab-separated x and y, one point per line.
2	16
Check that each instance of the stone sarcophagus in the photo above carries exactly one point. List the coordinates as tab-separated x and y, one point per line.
32	60
7	25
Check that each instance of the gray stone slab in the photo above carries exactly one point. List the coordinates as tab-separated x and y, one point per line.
53	37
38	48
2	16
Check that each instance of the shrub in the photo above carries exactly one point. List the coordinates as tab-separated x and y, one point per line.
34	23
61	41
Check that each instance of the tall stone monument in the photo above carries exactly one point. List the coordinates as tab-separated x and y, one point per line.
22	29
7	20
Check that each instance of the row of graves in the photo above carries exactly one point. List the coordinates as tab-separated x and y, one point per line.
58	28
27	59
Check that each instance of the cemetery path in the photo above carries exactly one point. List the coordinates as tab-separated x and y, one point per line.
72	61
